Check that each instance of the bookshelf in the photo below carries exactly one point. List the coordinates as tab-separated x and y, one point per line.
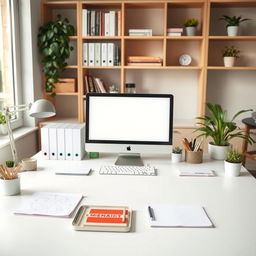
192	85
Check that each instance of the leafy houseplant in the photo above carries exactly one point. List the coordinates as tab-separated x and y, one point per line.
230	54
233	163
53	43
220	129
191	23
233	156
176	155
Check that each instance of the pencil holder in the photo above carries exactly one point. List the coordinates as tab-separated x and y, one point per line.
194	157
10	187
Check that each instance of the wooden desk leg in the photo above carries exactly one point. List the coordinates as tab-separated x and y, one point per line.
245	143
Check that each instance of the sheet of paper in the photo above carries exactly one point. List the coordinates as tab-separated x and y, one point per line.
196	171
73	171
50	204
179	216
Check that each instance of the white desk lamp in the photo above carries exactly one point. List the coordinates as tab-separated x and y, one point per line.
39	109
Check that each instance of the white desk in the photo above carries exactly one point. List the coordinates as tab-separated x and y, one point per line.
230	203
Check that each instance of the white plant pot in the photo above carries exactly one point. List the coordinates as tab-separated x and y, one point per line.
3	128
232	169
176	158
191	31
218	152
229	61
232	30
10	187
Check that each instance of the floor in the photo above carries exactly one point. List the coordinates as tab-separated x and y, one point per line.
251	166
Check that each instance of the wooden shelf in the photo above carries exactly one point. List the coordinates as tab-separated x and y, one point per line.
232	37
184	37
102	67
144	37
102	37
71	67
230	68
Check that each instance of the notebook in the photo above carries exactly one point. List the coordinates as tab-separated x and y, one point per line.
74	171
190	216
50	204
196	171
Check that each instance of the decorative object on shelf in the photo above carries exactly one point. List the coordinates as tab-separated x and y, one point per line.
185	60
9	180
220	130
130	88
113	89
174	31
233	163
28	164
176	155
39	109
232	24
191	25
65	85
53	43
230	54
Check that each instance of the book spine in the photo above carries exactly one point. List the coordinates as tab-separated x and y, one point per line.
88	22
86	85
92	23
112	23
84	22
91	86
107	24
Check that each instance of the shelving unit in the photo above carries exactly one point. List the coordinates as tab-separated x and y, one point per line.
191	85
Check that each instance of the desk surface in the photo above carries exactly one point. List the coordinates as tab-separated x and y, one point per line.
229	202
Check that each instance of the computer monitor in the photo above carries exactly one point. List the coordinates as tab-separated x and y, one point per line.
129	124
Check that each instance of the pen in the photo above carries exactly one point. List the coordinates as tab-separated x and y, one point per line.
151	213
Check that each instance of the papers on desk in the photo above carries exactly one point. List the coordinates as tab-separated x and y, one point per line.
50	204
196	171
190	216
74	171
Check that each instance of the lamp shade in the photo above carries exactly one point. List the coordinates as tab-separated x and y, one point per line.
42	109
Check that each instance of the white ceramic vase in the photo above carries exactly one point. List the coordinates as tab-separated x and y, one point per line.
218	152
232	169
176	158
191	31
229	61
232	30
10	187
3	129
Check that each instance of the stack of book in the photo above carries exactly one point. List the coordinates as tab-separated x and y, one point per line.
140	32
144	61
101	23
101	54
174	31
94	84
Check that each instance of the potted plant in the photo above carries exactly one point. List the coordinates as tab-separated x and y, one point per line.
230	54
233	163
232	24
53	43
113	89
176	155
220	130
190	26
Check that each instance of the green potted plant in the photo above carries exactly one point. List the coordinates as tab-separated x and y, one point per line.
232	24
54	46
220	130
190	26
230	54
176	155
233	163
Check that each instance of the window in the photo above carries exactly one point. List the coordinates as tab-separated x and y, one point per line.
10	82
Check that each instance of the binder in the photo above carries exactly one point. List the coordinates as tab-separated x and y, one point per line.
78	133
61	142
68	142
53	142
110	58
97	52
84	22
85	54
112	23
107	17
45	148
104	54
93	24
91	54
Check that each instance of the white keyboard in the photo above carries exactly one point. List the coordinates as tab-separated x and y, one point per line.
128	170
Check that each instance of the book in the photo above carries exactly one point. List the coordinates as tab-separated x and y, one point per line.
173	34
100	85
112	23
107	22
144	64
196	171
190	216
84	22
86	83
175	30
144	58
91	85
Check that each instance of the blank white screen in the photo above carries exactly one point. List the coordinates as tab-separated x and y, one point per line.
129	119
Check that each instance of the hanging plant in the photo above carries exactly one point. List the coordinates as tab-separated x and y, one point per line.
53	43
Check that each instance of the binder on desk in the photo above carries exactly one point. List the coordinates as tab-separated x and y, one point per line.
190	216
61	141
45	143
53	142
78	141
69	142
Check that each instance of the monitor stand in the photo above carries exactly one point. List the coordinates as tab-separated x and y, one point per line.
129	159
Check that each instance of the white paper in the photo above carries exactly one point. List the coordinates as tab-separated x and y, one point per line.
195	171
74	171
50	204
179	216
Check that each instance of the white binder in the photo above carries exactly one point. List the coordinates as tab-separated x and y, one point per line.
53	142
104	54
112	23
61	142
45	148
84	22
78	141
85	54
111	51
91	54
107	24
97	52
69	142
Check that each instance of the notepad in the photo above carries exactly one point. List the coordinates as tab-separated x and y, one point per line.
180	216
196	171
50	204
74	171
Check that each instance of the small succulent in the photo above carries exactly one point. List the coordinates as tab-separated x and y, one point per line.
230	52
9	163
233	21
176	150
191	22
233	156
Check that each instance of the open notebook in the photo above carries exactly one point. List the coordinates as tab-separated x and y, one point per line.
179	216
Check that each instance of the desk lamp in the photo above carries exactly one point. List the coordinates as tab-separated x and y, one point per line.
39	109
